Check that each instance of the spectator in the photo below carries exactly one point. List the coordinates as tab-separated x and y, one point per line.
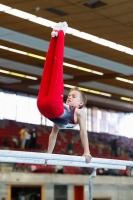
28	139
113	145
22	137
33	138
70	148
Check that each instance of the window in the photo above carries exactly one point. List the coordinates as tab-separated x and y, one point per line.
103	121
1	104
48	122
86	112
129	125
96	114
22	108
29	192
43	120
121	123
113	122
34	114
89	120
9	102
60	192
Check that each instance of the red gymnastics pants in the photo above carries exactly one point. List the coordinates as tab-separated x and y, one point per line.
50	97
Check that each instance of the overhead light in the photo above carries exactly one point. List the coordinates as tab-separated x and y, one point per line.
103	42
36	56
68	86
4	8
3	47
82	68
73	32
129	51
94	91
107	43
17	74
30	77
126	99
88	36
42	21
124	80
105	94
96	72
23	75
121	48
4	71
17	51
84	89
89	90
13	50
69	65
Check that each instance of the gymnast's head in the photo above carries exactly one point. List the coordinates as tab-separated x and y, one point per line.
76	98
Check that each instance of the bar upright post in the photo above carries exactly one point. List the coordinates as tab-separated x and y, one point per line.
93	175
131	171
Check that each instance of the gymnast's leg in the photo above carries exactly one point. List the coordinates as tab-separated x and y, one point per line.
50	97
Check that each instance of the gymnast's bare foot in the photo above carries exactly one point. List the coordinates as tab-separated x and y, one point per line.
88	157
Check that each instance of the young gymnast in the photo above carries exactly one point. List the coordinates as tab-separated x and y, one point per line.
50	97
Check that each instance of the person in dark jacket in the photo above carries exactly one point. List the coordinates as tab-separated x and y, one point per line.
33	138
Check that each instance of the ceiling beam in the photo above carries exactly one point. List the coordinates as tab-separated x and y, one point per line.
73	54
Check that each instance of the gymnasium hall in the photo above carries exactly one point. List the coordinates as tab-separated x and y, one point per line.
98	60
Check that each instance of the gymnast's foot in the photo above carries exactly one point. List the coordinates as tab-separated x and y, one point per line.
59	26
64	27
56	28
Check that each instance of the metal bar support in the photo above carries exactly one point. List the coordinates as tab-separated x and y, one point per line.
132	171
93	175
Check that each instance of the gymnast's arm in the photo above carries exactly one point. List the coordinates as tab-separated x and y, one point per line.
52	138
81	116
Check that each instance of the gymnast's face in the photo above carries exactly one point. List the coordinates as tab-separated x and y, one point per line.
74	99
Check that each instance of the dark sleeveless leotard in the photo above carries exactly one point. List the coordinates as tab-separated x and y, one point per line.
66	120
